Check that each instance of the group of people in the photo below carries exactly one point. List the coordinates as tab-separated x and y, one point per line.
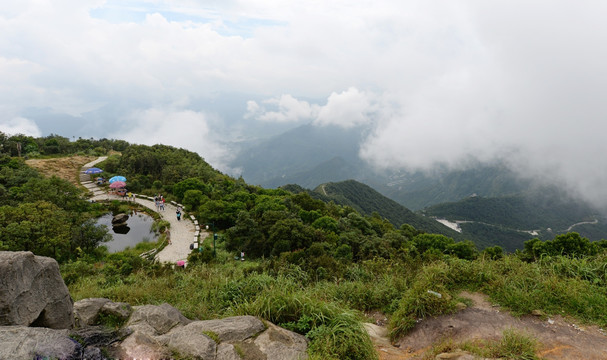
159	201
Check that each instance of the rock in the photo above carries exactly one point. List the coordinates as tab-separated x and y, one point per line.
86	311
236	328
281	344
142	346
190	342
120	310
120	219
99	336
32	292
227	352
22	342
156	320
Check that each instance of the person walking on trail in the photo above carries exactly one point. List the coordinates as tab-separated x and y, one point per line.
178	213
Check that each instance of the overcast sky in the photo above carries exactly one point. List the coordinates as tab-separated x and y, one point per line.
437	81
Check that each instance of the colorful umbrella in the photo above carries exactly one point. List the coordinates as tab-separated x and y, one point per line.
117	184
93	170
117	178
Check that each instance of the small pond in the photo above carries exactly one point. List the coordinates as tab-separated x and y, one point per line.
138	229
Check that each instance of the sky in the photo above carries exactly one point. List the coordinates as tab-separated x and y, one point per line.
437	82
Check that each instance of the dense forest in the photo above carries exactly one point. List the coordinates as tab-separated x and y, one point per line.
313	266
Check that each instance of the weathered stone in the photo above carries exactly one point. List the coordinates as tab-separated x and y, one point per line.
119	220
142	346
99	336
236	328
281	344
22	342
119	310
92	353
86	311
156	320
32	292
190	342
227	351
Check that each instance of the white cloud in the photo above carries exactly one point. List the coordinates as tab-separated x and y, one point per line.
439	81
20	126
180	128
288	109
347	109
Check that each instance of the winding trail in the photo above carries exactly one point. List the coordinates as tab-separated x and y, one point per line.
183	232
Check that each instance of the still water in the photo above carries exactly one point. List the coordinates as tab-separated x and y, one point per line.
138	229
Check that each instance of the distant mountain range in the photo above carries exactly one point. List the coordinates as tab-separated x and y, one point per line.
490	203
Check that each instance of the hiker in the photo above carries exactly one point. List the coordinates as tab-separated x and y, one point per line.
178	213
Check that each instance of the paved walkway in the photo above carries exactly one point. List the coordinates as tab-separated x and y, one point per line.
183	232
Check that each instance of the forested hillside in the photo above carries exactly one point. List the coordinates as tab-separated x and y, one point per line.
368	201
314	263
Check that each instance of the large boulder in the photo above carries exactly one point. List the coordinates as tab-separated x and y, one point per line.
156	320
88	311
32	292
147	323
281	344
162	330
22	342
119	220
236	328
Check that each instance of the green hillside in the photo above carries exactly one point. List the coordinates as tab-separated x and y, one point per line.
509	221
314	264
368	201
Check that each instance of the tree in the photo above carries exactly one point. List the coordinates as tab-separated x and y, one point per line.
290	234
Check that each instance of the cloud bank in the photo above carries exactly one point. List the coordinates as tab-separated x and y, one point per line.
437	82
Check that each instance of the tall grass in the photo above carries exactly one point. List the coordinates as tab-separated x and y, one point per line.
328	312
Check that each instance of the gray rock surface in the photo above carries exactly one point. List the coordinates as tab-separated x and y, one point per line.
156	320
227	351
119	220
236	328
86	311
281	344
142	346
190	342
32	292
22	342
120	310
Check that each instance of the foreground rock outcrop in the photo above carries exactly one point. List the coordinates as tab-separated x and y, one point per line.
161	331
32	292
38	316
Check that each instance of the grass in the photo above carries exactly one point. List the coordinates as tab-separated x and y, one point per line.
329	312
514	344
213	335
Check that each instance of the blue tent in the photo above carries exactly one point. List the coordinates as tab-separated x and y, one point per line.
93	170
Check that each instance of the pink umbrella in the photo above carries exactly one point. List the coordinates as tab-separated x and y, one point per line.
117	184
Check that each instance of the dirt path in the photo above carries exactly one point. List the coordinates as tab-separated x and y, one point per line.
183	232
558	338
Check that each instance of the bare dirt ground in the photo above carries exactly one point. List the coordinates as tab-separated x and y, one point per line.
559	338
67	168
